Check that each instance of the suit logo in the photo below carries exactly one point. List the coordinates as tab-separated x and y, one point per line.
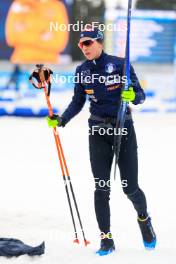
110	67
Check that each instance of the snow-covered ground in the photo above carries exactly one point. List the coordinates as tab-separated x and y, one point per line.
33	205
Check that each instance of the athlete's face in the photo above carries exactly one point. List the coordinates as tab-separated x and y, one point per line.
91	48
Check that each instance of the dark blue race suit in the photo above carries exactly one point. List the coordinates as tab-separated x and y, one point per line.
101	80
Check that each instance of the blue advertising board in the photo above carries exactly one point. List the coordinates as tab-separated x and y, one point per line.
153	35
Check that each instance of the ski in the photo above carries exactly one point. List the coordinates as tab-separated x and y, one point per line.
122	110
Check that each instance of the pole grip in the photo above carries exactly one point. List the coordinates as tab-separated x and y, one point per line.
42	79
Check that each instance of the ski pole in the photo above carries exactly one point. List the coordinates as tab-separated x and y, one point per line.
56	136
61	153
123	106
62	160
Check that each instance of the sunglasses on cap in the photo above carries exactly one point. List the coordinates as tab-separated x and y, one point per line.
86	43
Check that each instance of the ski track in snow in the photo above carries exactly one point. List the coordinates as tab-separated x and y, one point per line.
33	202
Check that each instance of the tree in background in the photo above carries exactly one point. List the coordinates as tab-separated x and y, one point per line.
156	4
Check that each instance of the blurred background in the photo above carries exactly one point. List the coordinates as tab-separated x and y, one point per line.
29	34
33	203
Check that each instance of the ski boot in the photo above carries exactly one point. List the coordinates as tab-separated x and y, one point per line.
148	234
107	245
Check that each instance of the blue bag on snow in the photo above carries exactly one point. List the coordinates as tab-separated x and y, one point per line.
10	247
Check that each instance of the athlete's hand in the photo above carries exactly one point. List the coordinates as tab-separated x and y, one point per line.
54	121
129	95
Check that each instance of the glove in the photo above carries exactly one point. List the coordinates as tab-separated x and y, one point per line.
129	95
54	121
